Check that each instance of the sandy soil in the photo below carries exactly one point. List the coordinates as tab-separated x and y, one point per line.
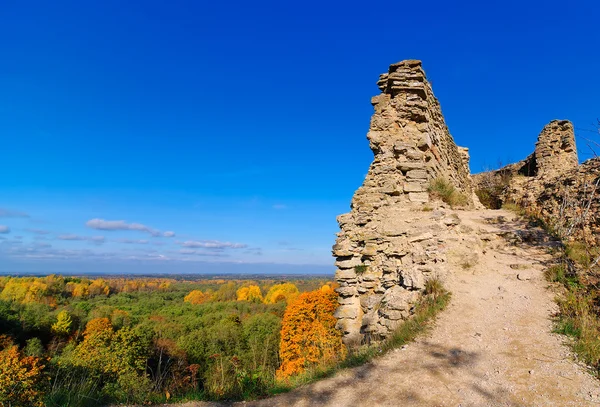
492	346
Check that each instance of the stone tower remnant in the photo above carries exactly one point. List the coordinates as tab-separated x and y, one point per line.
383	262
555	152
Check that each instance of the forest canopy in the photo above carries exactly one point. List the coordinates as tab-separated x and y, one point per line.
75	341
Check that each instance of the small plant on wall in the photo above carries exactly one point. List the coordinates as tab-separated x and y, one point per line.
360	269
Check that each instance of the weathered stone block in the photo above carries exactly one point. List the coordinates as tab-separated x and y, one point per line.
394	315
370	302
343	248
412	278
399	298
345	274
395	229
416	174
414	187
409	166
348	263
418	197
347	312
370	250
346	291
419	237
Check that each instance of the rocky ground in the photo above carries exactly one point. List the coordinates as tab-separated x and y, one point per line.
493	345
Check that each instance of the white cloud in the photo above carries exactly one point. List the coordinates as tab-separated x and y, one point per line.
212	244
92	239
101	224
38	231
6	213
4	229
200	253
131	241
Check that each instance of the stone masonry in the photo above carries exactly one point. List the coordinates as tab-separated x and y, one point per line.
383	257
551	184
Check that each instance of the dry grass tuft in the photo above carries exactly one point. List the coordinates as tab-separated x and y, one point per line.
441	188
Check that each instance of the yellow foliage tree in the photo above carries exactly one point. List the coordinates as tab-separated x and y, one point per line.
251	293
81	290
196	297
308	333
287	292
62	326
326	288
15	289
36	292
98	287
21	379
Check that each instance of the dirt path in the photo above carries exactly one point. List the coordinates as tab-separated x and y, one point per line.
493	346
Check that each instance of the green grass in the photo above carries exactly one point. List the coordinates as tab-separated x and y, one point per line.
441	188
578	313
436	298
582	253
578	320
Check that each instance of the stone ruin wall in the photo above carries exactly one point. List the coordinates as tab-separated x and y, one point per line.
383	261
551	184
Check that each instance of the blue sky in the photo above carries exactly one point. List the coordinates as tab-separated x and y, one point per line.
240	126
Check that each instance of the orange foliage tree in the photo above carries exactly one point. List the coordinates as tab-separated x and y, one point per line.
21	378
308	333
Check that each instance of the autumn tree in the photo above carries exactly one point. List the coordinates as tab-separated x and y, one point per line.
308	333
16	289
287	292
118	358
98	287
250	293
21	378
80	290
63	323
196	297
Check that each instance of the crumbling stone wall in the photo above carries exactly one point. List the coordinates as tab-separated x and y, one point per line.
570	202
551	184
382	259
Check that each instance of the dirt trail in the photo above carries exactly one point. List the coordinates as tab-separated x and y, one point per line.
492	346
